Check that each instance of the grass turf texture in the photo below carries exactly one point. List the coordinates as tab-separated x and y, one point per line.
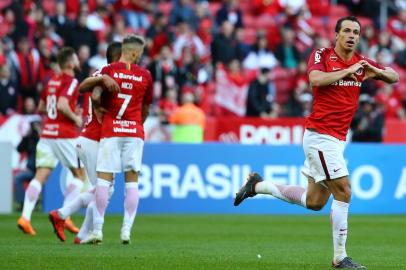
208	242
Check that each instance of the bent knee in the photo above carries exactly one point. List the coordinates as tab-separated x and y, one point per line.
316	206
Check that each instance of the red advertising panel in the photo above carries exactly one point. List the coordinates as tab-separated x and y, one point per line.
280	131
395	131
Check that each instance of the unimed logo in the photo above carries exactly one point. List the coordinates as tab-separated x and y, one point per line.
275	135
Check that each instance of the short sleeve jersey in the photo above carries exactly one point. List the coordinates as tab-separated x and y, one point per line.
124	109
334	105
55	124
92	127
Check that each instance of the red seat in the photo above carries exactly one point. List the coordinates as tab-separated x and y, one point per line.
213	8
265	21
165	8
339	11
250	35
249	21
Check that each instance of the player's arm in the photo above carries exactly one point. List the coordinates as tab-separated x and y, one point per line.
64	108
42	108
96	102
321	78
89	83
388	75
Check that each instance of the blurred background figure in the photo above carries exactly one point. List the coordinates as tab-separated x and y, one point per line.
188	120
8	92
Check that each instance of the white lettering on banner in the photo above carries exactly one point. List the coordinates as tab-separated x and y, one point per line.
145	185
375	176
192	182
165	175
401	188
217	176
229	95
274	135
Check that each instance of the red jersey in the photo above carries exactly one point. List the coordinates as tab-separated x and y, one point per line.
92	127
56	125
124	109
334	105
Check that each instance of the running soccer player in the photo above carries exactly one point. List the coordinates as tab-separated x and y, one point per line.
122	135
336	75
87	147
58	138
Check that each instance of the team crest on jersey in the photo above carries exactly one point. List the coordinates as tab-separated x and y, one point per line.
359	71
333	57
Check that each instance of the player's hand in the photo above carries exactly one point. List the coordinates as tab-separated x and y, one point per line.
78	121
355	67
110	84
99	112
370	70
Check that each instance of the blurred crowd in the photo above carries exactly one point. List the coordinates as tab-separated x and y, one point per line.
262	44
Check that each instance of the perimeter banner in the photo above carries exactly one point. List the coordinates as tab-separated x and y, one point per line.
204	178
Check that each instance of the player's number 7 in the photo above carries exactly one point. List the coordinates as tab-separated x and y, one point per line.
127	99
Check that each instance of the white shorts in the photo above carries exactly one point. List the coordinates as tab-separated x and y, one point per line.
324	156
87	153
50	151
117	154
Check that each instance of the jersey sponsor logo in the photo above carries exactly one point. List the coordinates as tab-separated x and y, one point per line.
346	83
336	170
335	69
333	57
124	130
127	76
317	56
124	123
50	132
54	83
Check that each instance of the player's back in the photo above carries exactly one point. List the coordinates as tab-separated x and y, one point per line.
124	109
56	125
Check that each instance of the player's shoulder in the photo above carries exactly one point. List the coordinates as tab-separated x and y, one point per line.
141	70
323	51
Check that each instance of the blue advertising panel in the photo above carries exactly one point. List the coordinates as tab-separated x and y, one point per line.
203	178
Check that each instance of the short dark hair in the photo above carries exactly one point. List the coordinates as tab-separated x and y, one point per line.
348	18
113	52
64	55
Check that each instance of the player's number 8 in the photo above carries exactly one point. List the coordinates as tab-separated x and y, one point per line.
127	99
51	107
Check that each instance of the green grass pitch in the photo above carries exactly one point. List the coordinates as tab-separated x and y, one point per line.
208	242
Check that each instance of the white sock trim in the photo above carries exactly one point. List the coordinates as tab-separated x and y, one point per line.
103	183
303	199
340	205
131	185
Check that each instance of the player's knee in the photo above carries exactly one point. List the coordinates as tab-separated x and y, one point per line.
314	205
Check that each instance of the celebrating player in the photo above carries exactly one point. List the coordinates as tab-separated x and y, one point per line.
58	137
122	135
336	75
87	147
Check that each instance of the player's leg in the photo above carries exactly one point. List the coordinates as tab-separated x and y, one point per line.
108	163
45	162
132	157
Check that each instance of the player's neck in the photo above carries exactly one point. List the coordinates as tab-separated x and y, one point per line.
125	60
69	72
344	55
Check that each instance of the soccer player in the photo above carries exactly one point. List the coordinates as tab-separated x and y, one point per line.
58	138
87	147
336	75
122	135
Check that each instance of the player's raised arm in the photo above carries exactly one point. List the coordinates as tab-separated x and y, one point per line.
321	78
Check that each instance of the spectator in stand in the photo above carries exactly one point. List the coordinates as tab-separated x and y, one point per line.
158	35
83	55
163	71
204	30
189	121
261	96
368	39
286	52
81	35
47	62
135	12
230	11
26	61
391	102
99	60
96	21
187	38
242	46
187	69
260	55
119	31
225	47
8	92
29	106
397	25
319	42
168	105
387	44
20	27
183	11
368	122
62	23
27	147
270	7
